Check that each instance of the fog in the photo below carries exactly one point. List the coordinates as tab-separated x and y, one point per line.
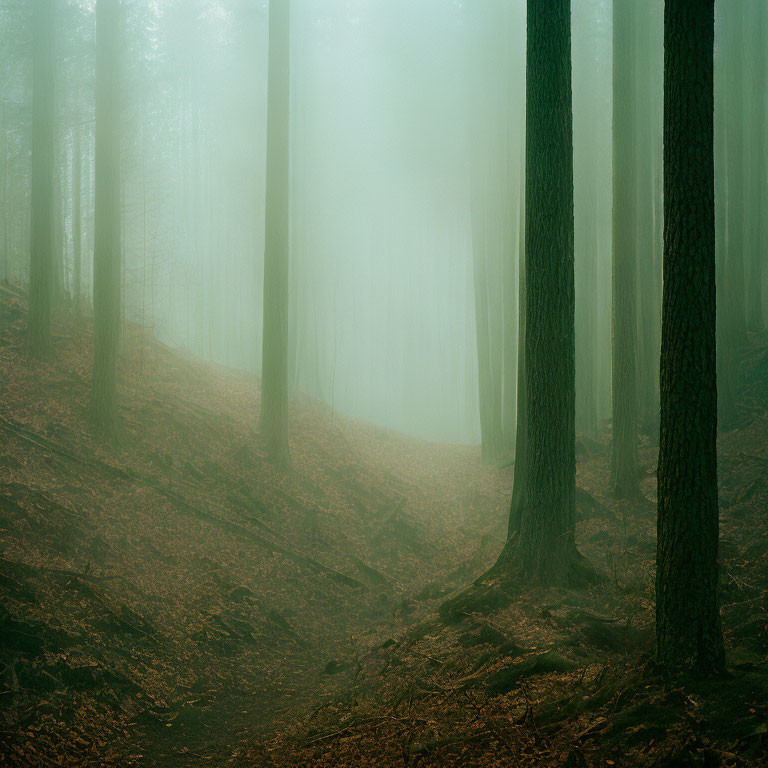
383	382
404	118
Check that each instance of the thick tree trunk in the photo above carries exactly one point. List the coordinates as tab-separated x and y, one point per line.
41	221
688	629
274	382
624	358
107	227
545	550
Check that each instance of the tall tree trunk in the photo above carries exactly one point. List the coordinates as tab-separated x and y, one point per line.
274	383
759	157
625	430
3	195
647	82
687	612
488	428
519	481
510	313
107	226
77	238
41	220
727	185
736	312
545	550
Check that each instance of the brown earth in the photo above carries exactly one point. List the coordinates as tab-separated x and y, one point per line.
171	599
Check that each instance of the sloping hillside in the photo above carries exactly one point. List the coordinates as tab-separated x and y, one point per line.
503	674
165	592
173	600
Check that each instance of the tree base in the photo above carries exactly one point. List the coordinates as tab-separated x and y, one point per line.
568	568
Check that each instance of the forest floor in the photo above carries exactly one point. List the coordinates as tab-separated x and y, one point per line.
171	599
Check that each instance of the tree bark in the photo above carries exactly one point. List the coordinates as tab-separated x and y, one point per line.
688	631
274	382
624	473
758	240
521	440
77	238
545	551
41	220
107	226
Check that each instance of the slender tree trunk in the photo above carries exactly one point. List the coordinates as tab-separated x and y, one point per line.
625	430
759	158
511	317
647	81
107	227
41	220
76	220
484	373
736	312
545	550
274	384
3	194
729	272
688	629
521	441
58	289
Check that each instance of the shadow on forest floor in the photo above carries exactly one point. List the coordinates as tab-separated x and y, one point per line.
174	600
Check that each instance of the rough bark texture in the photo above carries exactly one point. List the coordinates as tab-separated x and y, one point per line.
41	222
106	251
687	613
624	258
274	382
545	550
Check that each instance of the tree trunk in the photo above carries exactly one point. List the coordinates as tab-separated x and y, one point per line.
648	51
41	220
735	307
545	550
488	428
688	629
521	440
77	238
107	227
624	473
758	244
3	195
274	382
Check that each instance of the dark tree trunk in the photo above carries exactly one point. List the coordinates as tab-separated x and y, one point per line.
274	383
688	629
545	550
106	251
624	285
41	221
